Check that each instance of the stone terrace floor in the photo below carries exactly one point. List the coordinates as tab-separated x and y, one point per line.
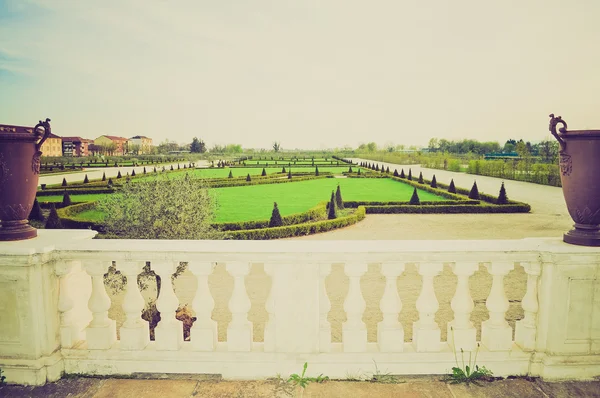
403	386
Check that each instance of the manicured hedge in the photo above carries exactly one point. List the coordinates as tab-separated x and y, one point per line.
427	188
448	209
318	212
354	204
264	181
75	191
68	221
298	229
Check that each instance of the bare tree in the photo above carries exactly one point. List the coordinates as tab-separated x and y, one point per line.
276	146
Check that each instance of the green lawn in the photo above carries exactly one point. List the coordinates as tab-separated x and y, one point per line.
244	171
255	202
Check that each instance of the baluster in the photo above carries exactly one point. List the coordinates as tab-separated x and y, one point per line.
169	331
101	333
426	332
390	333
135	332
70	333
526	328
324	308
270	336
239	331
203	334
461	332
496	333
354	330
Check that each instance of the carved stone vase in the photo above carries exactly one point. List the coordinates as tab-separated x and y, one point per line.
19	174
580	177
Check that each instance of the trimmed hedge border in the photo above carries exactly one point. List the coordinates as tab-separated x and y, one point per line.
354	204
449	209
316	213
66	217
74	191
298	229
266	181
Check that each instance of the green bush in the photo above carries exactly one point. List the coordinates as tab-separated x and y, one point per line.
449	209
36	212
275	220
474	194
433	182
53	221
66	200
451	187
354	204
414	199
338	198
502	198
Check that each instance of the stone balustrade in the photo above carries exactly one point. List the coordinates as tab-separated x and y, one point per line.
54	308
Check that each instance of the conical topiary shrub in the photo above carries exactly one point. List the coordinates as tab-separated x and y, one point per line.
502	198
133	173
451	187
144	169
358	172
64	182
155	170
248	177
230	174
331	211
396	173
382	170
66	201
36	211
377	168
414	199
264	172
339	202
350	169
387	169
103	176
53	221
474	194
275	220
171	167
283	170
402	175
110	182
178	167
409	174
86	180
421	178
119	174
290	174
433	182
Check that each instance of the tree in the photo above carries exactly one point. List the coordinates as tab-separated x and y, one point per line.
275	220
371	147
338	198
66	200
414	199
36	212
433	182
522	149
161	208
197	146
276	146
434	144
53	221
451	187
502	198
331	211
474	193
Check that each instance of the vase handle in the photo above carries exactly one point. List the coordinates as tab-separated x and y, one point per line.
553	122
47	130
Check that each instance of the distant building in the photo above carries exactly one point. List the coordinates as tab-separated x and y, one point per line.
51	147
111	145
75	146
140	144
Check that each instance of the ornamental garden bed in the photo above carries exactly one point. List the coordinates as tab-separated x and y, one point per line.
244	207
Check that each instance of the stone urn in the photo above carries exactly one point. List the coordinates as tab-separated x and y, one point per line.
19	174
580	177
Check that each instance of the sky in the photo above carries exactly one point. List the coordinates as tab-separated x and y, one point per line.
311	74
